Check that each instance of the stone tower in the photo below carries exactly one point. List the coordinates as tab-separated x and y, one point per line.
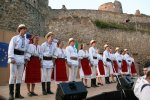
111	7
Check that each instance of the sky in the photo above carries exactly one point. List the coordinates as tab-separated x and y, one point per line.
129	6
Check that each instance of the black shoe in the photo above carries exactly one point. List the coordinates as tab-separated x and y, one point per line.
30	94
50	92
19	96
34	94
44	92
86	86
96	85
100	84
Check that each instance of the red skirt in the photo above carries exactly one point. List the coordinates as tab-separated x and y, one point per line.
33	70
133	70
101	67
60	73
124	66
85	64
115	66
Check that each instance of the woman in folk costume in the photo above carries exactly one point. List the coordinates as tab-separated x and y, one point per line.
133	69
130	63
85	68
60	71
72	60
94	62
16	57
124	64
108	64
100	68
33	65
119	60
128	60
114	64
48	49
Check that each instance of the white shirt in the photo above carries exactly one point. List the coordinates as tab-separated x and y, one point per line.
99	57
83	54
48	51
20	43
106	54
138	85
33	50
113	57
127	58
93	53
118	56
60	53
145	93
71	51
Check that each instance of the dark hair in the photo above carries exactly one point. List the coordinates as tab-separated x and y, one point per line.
81	46
147	64
58	43
148	74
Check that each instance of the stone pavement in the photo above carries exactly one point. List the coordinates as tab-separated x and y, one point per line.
91	91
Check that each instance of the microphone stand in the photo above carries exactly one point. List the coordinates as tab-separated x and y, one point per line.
123	91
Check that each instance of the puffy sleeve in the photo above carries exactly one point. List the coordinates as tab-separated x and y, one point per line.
11	49
40	52
80	54
68	54
90	54
28	52
55	53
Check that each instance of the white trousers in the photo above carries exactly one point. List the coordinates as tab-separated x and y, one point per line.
108	69
73	73
46	74
16	73
94	70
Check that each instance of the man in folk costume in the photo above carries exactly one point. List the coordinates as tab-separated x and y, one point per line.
48	49
16	58
100	68
94	62
119	60
108	63
33	65
114	64
60	71
85	68
128	60
72	60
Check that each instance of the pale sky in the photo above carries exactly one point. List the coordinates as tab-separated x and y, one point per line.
129	6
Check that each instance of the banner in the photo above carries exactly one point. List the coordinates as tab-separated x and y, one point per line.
3	54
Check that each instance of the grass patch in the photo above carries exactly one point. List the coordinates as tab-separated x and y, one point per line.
112	25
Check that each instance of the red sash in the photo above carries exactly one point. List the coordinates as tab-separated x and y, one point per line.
60	70
124	66
33	70
101	67
86	66
133	70
115	66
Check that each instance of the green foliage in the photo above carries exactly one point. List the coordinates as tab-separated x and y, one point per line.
112	25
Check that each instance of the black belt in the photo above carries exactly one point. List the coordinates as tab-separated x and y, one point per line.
34	57
119	61
47	58
18	52
129	60
94	57
107	59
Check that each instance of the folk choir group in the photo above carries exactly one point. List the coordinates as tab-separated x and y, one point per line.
44	63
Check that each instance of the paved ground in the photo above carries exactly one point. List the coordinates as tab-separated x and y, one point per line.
91	91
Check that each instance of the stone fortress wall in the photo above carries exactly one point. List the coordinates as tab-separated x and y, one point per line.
40	19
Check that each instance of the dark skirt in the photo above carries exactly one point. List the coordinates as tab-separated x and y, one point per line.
101	67
33	70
